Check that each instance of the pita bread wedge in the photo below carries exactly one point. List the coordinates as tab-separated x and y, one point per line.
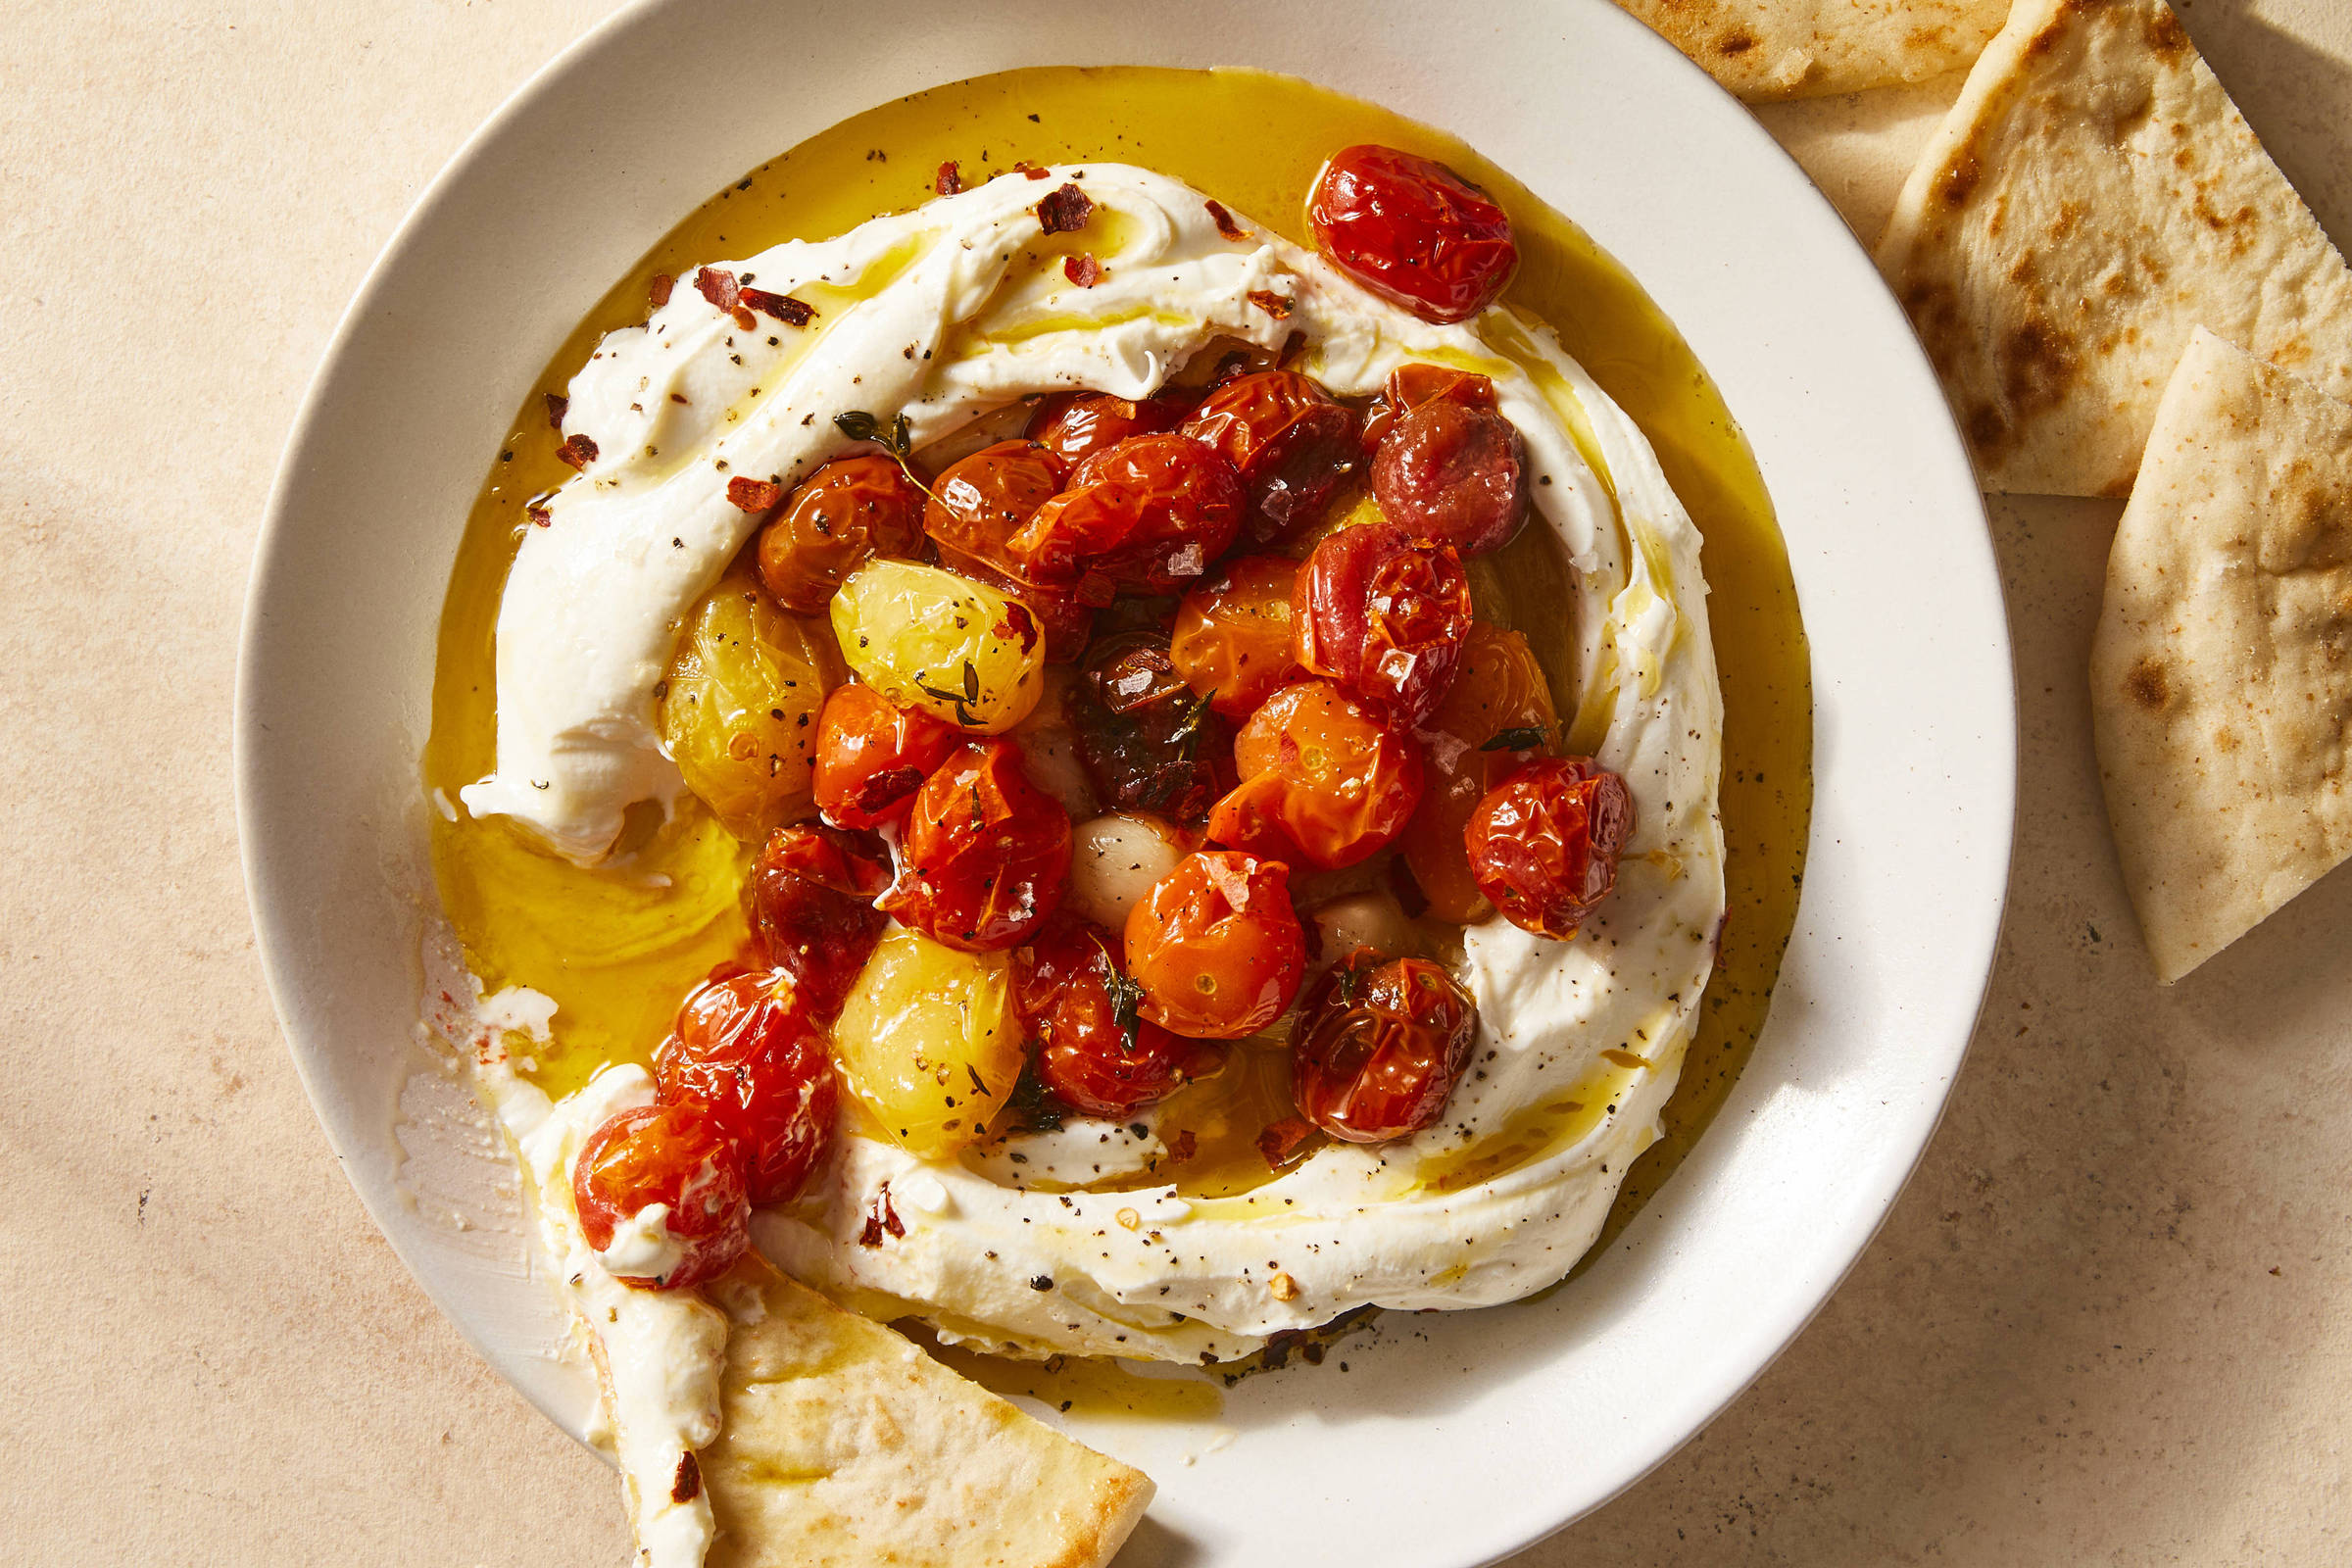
1768	49
2091	196
2221	678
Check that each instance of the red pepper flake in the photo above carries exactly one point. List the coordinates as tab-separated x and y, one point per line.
1278	306
1224	220
539	515
783	307
1183	1147
1065	211
1030	171
688	1485
556	403
744	320
719	287
658	289
881	1217
1281	1141
887	787
1017	622
949	182
1083	271
579	452
754	495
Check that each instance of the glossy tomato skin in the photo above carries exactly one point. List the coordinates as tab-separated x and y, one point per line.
1150	512
984	852
872	755
1289	440
1091	1059
978	504
746	1048
1543	843
1379	1045
1498	717
1323	780
1453	473
1412	230
1144	743
811	894
1231	638
677	1154
1412	384
1066	623
1216	945
1382	618
1075	425
843	515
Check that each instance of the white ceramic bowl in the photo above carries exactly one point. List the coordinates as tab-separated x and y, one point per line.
1457	1438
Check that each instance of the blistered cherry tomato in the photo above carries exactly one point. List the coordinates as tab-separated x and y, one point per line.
1323	780
843	515
1216	945
1150	514
1453	473
872	755
1231	642
1379	1047
1096	1052
980	503
1075	425
1291	442
679	1155
811	894
1412	230
1410	385
1382	619
1495	718
1145	740
984	852
747	1048
1543	843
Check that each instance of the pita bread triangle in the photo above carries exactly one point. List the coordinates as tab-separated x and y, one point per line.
1768	49
2222	670
2092	197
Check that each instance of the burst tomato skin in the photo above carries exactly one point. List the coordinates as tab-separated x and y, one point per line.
843	515
1379	1045
978	504
1216	945
811	895
1289	440
984	852
1232	639
1543	843
675	1154
1323	780
1414	384
1150	514
872	755
746	1048
1453	473
1089	1060
1075	425
1498	716
1138	736
1412	230
1382	618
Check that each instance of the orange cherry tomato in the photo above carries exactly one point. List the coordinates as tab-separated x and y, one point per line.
872	755
1412	231
1453	473
980	503
811	895
1322	780
843	515
675	1154
1096	1052
1231	642
746	1049
1379	1045
1150	514
984	852
1075	425
1410	385
1216	945
1495	718
1143	737
1291	442
1543	843
1382	619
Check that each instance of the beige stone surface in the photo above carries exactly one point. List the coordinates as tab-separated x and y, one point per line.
2110	1321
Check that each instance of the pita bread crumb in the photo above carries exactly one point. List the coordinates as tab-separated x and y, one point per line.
2222	670
1771	49
2092	196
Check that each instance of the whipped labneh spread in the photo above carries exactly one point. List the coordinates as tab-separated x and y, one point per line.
947	315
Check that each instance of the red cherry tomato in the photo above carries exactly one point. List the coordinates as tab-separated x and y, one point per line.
1495	718
1232	641
1216	945
1075	425
1322	780
980	503
1141	735
1382	619
843	515
1096	1052
1379	1047
1543	843
675	1154
1150	514
1412	385
1291	442
872	755
984	852
1412	230
1455	475
746	1048
813	892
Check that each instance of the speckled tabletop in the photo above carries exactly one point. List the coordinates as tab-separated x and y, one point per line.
2111	1319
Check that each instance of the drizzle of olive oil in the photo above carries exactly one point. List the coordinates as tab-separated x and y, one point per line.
615	950
1089	1386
